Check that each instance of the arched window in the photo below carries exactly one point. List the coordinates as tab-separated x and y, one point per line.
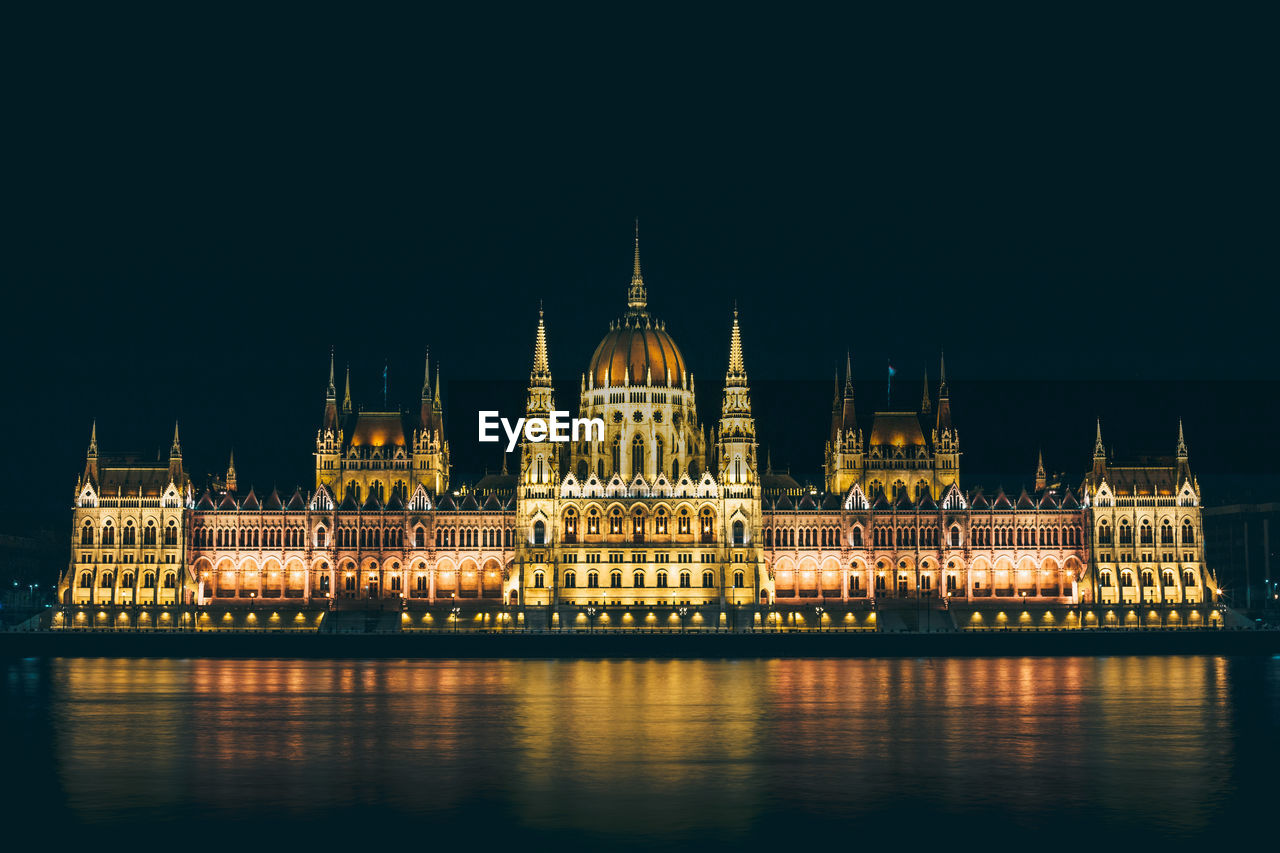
1126	578
1166	577
615	579
616	451
660	522
1166	533
768	536
171	534
86	533
126	579
108	534
1147	535
683	526
1188	577
686	580
708	580
148	580
662	578
108	580
1104	533
739	533
637	456
593	522
86	580
855	537
739	580
1104	579
570	579
419	538
657	455
539	532
637	580
129	536
593	579
170	580
1148	578
615	521
571	526
1126	533
539	580
1188	533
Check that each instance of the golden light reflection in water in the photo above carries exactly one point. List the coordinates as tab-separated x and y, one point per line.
644	747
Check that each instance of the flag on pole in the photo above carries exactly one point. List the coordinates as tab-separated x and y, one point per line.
888	394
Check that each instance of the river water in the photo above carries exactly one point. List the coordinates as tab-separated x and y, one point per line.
708	754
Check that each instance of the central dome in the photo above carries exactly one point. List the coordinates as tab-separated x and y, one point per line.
638	347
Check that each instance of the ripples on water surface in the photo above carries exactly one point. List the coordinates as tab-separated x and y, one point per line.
997	751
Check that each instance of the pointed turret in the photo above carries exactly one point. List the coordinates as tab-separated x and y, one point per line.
1099	452
539	401
637	298
330	400
425	419
737	373
735	434
1042	479
1184	466
926	405
231	473
943	423
346	397
91	455
175	458
848	415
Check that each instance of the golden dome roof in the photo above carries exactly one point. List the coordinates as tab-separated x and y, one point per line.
637	348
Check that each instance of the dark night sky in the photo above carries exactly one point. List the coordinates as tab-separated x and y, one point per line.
198	210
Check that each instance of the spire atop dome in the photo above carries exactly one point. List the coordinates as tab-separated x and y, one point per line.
637	298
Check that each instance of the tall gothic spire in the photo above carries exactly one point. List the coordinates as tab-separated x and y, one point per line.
541	372
848	414
330	392
1099	452
93	439
943	391
737	374
231	473
426	377
175	449
925	404
637	298
1182	442
1041	478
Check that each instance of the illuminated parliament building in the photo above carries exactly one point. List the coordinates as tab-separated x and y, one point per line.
670	517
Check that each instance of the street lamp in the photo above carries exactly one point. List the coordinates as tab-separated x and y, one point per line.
818	611
683	612
455	611
591	618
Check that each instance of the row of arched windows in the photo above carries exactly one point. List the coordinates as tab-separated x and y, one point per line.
474	537
638	579
1167	578
128	534
107	580
1146	534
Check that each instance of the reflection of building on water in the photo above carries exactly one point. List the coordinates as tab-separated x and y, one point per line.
701	744
668	522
